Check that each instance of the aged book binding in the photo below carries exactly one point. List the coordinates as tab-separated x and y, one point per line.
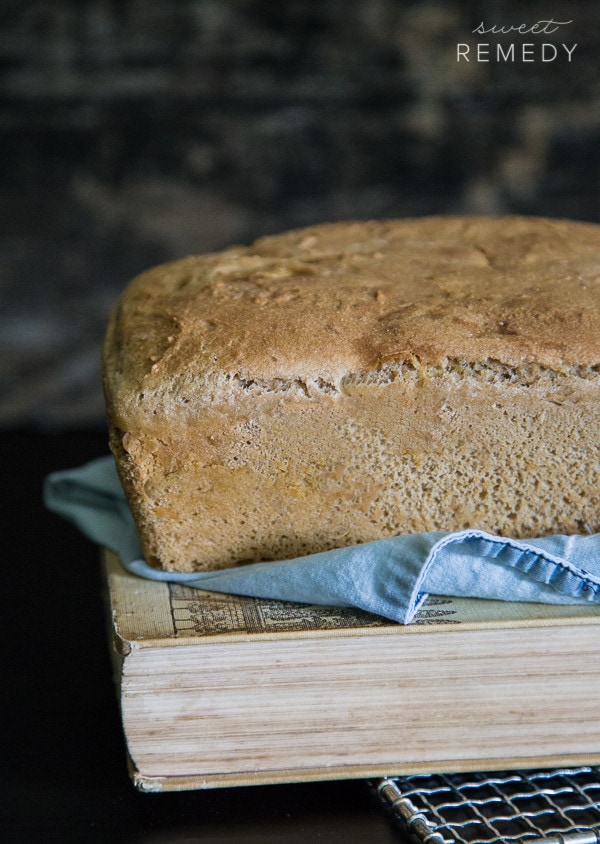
218	690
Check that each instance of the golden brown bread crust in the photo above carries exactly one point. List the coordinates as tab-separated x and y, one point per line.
353	380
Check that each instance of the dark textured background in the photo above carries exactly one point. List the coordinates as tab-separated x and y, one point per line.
137	132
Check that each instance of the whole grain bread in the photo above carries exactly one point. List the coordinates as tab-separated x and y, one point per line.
349	381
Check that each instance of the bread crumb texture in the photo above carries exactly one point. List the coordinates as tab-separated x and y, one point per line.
350	381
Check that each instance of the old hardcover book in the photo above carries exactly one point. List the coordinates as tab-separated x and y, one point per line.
218	690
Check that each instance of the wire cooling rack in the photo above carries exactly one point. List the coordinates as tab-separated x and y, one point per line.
560	806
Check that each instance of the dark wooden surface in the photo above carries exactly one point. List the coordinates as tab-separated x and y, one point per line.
63	762
139	132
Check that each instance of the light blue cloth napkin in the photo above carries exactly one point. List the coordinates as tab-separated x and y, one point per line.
389	577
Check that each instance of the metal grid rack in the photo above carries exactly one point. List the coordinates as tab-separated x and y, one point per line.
560	806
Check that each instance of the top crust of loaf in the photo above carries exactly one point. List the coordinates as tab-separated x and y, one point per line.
316	306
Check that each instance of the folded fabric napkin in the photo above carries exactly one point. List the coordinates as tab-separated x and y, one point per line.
390	577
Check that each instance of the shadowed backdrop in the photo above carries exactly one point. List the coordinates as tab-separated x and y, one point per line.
138	132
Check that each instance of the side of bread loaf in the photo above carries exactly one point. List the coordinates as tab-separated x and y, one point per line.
350	381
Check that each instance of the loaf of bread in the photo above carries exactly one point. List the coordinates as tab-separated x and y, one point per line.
351	381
